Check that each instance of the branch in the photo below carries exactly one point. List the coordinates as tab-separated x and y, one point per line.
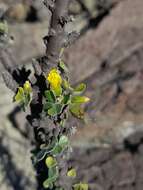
55	39
38	92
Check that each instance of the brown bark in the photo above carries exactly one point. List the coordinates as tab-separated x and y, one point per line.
56	36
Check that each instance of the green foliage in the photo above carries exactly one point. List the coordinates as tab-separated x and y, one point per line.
58	100
53	172
60	146
50	97
55	109
70	97
23	95
63	141
66	99
55	148
51	162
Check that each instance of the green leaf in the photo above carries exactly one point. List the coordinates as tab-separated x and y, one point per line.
57	150
47	106
63	141
66	99
66	85
46	184
53	173
55	109
61	145
79	99
80	88
81	186
57	90
51	186
77	111
50	96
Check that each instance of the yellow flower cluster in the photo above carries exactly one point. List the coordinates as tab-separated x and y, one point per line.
55	81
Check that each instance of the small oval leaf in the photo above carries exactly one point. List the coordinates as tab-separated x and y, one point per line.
71	173
80	88
55	109
50	96
77	111
63	141
50	162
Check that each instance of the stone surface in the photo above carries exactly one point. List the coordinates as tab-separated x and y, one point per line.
109	168
109	59
109	42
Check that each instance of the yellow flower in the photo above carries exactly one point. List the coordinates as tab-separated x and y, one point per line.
55	81
27	87
54	78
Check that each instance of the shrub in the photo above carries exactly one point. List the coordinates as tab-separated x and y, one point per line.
51	99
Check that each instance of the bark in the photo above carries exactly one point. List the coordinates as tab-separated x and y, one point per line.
55	39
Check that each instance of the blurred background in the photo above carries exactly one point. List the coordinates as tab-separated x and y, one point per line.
108	57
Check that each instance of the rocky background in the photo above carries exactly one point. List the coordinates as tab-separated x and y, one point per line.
108	57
